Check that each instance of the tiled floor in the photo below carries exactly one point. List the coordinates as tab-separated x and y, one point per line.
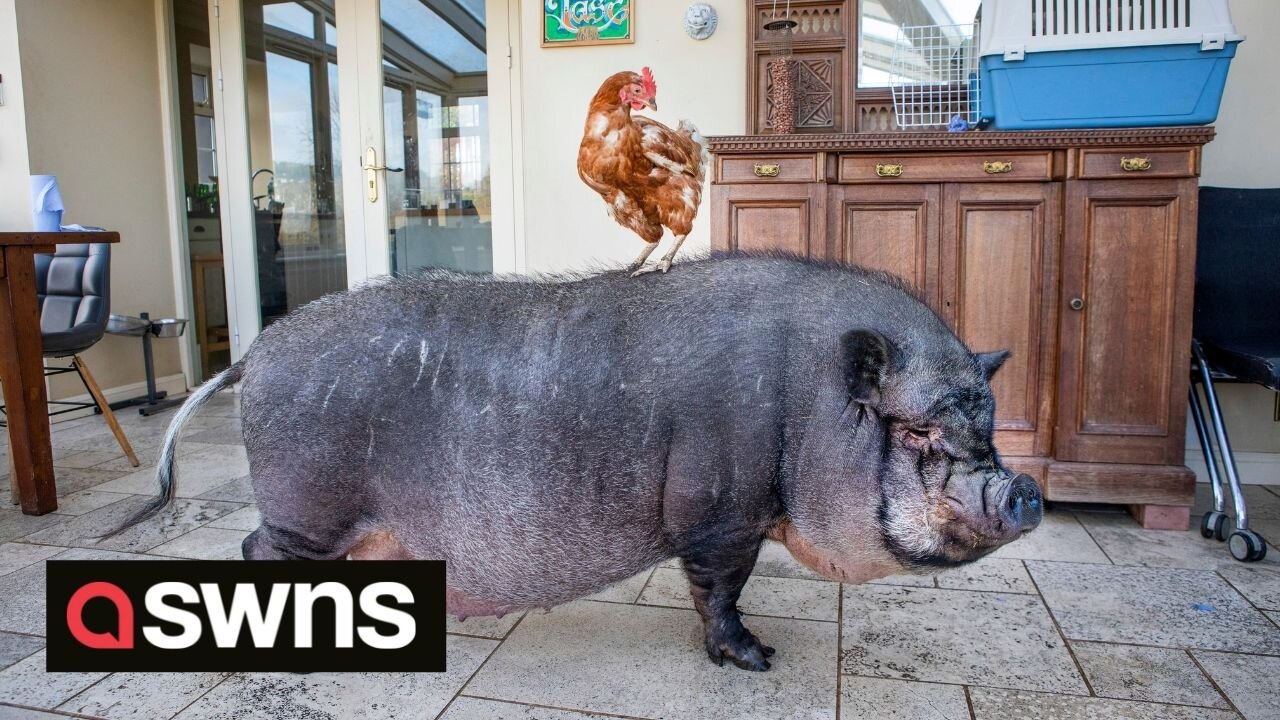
1089	617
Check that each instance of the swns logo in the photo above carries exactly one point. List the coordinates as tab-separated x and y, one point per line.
222	616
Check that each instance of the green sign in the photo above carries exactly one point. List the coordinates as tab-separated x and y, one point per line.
587	22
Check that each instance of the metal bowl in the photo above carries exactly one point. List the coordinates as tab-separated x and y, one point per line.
168	327
126	325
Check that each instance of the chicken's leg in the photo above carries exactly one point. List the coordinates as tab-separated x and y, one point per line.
664	264
635	266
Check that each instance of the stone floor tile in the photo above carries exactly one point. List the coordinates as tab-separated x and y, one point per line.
22	606
148	457
624	591
14	524
486	626
238	490
1274	615
649	662
204	543
198	473
27	683
15	556
246	518
179	518
775	560
228	434
906	580
954	636
1251	682
1259	583
1127	543
989	704
1059	537
337	696
14	647
990	574
73	480
1149	674
143	696
1167	607
771	596
88	458
862	698
8	712
100	441
86	501
468	708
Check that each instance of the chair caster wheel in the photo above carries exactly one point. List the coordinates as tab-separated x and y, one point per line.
1247	546
1214	525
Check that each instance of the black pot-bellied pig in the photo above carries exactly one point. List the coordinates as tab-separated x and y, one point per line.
547	437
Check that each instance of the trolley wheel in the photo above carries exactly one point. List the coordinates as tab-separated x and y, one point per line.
1220	530
1214	525
1247	546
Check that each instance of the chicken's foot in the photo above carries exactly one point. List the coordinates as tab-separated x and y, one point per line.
664	264
634	267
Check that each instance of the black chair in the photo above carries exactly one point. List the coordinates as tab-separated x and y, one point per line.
73	293
1236	335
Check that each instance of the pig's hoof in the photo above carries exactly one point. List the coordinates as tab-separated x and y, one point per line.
747	652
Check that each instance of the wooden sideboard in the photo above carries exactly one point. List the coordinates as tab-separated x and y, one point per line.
1074	249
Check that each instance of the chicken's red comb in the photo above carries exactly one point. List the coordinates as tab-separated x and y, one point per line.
650	85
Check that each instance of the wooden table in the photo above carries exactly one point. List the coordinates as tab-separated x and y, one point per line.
22	363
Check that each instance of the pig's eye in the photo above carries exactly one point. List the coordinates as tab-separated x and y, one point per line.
918	438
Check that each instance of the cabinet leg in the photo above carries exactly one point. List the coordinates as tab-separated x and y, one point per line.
1162	517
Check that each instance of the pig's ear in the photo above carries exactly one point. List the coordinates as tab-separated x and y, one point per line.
868	355
990	362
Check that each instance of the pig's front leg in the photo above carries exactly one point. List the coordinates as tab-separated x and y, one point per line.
716	577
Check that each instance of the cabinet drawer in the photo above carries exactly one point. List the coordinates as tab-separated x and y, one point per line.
1140	163
975	167
768	168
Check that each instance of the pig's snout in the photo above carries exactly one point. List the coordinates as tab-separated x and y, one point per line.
1022	506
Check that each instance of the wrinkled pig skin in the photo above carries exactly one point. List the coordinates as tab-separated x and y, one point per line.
549	436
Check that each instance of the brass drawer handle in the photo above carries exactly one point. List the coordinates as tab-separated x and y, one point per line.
889	170
770	170
1135	164
996	167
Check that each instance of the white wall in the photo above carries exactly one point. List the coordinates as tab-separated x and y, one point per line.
703	81
93	118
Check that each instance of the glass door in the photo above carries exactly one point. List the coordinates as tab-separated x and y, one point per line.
435	108
291	74
428	158
355	141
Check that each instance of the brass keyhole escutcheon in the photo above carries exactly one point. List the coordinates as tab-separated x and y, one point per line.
1076	304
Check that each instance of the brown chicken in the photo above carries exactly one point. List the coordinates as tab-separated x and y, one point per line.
649	175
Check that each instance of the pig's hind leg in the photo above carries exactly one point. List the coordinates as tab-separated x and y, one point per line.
717	571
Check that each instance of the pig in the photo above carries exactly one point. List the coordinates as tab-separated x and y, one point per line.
549	436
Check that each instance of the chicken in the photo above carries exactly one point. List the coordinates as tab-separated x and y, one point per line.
649	175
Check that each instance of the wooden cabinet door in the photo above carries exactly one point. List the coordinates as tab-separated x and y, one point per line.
787	217
888	227
1128	265
998	282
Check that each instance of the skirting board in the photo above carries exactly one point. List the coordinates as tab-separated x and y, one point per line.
1256	468
175	384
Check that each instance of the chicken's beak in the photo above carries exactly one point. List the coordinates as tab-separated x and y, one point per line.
652	103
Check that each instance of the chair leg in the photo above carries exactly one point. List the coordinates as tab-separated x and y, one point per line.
92	385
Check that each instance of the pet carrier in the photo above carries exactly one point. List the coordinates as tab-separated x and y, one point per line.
1104	63
934	76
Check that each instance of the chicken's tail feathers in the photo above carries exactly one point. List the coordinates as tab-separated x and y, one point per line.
691	131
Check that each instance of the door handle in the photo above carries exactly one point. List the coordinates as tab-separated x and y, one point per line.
371	167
